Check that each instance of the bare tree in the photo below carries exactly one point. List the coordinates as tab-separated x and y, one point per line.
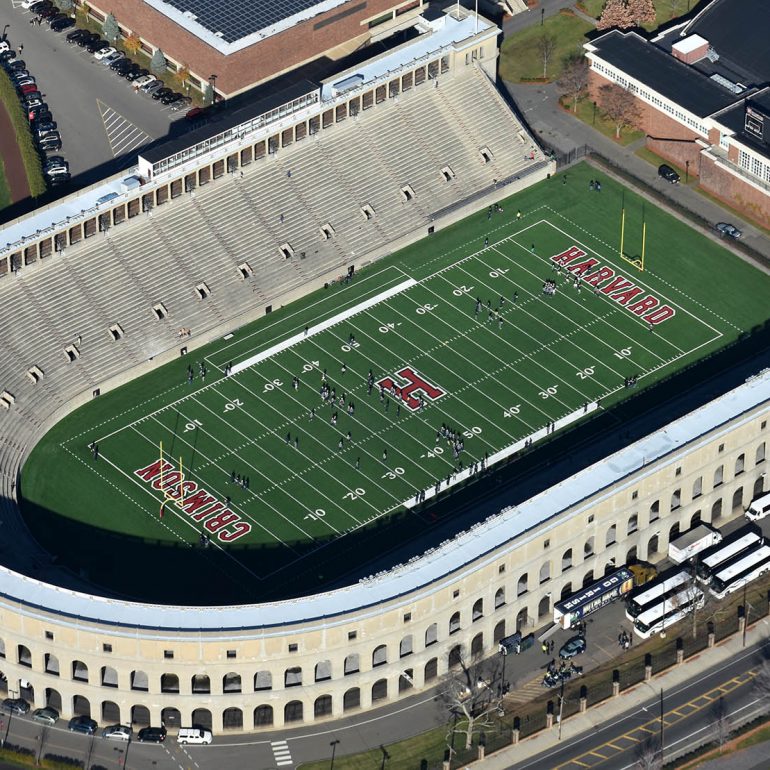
642	11
573	82
471	697
722	724
620	106
546	44
648	754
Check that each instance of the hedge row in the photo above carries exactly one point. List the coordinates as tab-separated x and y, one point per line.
29	153
18	755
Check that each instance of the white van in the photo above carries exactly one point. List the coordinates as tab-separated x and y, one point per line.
193	735
759	508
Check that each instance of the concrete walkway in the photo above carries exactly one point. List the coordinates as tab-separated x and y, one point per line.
539	104
580	724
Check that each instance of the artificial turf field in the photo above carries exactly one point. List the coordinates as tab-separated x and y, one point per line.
501	376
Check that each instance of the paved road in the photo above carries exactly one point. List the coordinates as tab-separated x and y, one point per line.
689	714
101	119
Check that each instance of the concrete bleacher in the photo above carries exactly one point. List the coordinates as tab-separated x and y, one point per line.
202	237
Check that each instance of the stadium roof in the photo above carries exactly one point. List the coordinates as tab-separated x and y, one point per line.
738	31
649	64
449	561
230	25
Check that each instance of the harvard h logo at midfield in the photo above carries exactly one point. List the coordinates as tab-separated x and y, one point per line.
412	391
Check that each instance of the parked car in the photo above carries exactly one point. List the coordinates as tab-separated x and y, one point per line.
57	174
43	128
196	735
152	735
121	65
103	53
61	24
56	161
725	229
16	66
173	98
48	12
196	113
40	5
151	88
573	647
87	39
135	73
16	706
31	99
73	37
33	112
55	18
28	88
6	56
144	80
43	116
47	715
96	45
82	724
18	75
668	173
162	92
179	104
50	142
113	57
118	733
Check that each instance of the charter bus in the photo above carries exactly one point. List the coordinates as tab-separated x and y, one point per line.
741	570
712	559
661	588
662	613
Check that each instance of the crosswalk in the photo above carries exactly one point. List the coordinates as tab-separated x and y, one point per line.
281	753
526	691
122	134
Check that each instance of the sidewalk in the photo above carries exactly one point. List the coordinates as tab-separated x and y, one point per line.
539	105
580	724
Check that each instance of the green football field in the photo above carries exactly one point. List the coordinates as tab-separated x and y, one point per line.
362	403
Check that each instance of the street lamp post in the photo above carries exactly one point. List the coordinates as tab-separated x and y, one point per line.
333	744
686	171
502	683
661	726
593	119
542	16
561	706
385	757
5	31
213	84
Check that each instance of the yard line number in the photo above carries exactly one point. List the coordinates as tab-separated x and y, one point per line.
584	374
394	474
319	513
192	425
548	392
354	494
234	404
426	308
512	411
272	385
623	352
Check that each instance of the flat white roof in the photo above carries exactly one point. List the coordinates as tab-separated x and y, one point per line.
49	219
689	44
450	560
437	35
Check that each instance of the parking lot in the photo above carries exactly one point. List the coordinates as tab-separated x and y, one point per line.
102	120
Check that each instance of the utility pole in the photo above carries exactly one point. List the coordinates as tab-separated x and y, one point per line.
561	706
333	744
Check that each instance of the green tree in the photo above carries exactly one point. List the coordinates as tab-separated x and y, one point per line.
110	28
208	94
158	62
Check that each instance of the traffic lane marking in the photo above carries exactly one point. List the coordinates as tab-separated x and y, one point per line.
672	717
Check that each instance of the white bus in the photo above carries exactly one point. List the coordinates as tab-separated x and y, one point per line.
712	559
666	612
741	570
644	597
759	508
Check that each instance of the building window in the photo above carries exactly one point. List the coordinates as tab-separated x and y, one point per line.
590	518
293	647
231	654
106	648
501	569
49	635
168	654
455	594
352	635
678	471
407	617
721	449
546	544
635	494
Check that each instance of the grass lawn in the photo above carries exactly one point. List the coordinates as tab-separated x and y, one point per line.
468	359
520	56
5	193
595	118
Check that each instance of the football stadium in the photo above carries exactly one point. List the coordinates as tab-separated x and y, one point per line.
292	413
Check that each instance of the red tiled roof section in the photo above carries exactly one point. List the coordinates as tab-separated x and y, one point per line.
300	43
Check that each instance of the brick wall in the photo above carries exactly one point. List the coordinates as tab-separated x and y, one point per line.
734	191
300	43
665	136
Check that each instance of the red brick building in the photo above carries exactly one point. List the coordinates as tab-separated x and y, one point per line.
235	44
702	91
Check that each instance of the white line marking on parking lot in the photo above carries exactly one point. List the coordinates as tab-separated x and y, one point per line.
122	134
